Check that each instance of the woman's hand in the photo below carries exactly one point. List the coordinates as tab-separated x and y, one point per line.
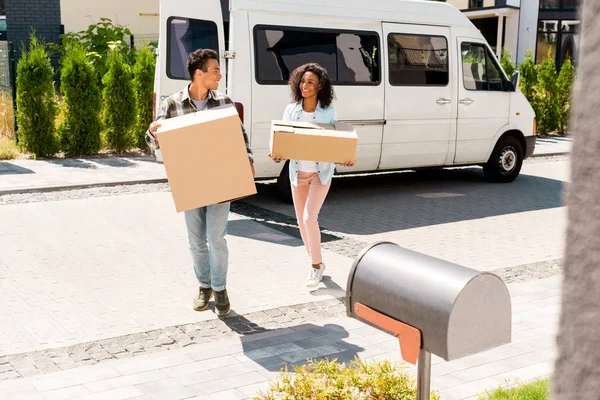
276	159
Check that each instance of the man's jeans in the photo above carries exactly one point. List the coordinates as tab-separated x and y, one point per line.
207	227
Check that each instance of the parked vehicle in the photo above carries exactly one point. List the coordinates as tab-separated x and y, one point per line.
416	78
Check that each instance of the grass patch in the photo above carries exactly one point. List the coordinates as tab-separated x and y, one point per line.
335	381
535	390
8	149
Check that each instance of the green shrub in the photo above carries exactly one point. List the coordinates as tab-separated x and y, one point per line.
528	71
119	107
80	130
143	86
36	101
507	64
546	98
97	40
333	381
564	86
536	390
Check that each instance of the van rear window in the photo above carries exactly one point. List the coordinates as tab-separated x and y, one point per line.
185	35
418	60
350	57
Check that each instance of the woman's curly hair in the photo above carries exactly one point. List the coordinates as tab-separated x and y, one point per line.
325	95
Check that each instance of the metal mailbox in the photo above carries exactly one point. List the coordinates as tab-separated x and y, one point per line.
431	305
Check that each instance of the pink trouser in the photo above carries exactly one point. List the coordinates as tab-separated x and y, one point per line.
308	197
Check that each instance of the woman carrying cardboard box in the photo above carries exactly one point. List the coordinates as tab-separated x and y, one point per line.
312	95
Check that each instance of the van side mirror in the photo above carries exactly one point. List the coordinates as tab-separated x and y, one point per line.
515	79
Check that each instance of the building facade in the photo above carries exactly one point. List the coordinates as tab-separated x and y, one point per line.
544	27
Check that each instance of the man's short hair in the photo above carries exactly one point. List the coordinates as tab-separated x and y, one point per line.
198	60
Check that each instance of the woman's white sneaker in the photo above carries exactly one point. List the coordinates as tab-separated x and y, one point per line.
315	277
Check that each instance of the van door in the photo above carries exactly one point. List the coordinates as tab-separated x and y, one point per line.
185	26
420	99
484	103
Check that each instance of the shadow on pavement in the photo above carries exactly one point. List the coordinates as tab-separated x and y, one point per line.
7	168
372	204
72	163
283	235
114	162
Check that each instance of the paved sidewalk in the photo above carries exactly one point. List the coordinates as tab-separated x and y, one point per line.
29	175
239	368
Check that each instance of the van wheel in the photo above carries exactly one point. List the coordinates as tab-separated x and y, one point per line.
283	184
505	163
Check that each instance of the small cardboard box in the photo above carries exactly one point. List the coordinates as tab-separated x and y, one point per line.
295	140
205	158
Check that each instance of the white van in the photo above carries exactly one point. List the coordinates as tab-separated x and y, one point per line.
416	78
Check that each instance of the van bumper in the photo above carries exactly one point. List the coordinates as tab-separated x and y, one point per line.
529	146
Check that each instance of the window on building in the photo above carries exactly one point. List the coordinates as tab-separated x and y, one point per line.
558	40
350	57
475	3
480	69
185	35
558	4
418	60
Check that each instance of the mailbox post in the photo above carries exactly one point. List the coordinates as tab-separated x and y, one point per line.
432	306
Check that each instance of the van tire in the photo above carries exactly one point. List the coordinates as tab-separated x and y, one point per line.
284	187
505	162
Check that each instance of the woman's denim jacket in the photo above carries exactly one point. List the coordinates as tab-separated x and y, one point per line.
322	116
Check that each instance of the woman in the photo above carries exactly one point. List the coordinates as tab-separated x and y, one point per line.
312	94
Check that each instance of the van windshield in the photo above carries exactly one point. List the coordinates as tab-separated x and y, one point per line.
185	35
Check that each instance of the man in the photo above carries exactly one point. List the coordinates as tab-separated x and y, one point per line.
206	226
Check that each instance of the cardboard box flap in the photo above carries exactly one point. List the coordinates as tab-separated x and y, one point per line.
197	117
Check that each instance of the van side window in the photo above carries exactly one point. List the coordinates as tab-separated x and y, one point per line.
351	58
185	35
480	69
418	60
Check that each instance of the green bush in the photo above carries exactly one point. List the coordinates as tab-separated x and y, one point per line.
528	71
36	101
536	390
333	381
80	130
119	107
143	87
563	92
507	64
98	39
546	99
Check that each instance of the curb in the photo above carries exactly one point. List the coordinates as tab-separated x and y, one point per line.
554	154
57	188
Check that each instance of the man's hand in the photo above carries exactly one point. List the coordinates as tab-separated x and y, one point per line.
347	164
253	170
154	127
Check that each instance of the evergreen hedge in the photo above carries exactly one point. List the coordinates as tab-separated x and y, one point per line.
80	131
36	101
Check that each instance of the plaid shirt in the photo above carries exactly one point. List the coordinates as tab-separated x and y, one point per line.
180	104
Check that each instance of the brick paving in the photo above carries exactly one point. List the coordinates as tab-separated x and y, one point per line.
96	275
242	366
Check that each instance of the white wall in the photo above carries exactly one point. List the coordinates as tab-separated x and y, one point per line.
511	34
77	15
527	29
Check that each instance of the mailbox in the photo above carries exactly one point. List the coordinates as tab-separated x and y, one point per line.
431	305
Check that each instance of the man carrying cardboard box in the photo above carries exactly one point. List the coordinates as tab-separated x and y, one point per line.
206	226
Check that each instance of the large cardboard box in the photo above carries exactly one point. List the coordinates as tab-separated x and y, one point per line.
295	140
205	158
